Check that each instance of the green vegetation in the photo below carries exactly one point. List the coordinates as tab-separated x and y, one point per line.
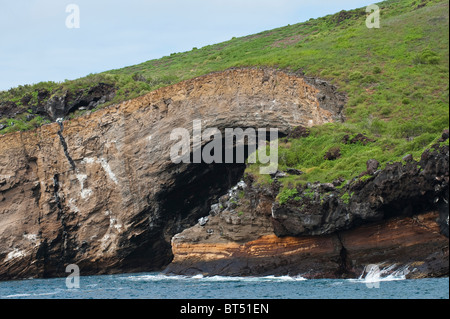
286	194
396	79
346	198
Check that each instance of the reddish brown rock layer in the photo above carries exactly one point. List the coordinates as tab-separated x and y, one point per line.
398	216
100	191
414	242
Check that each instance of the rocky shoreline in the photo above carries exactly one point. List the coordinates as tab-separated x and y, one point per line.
100	191
395	216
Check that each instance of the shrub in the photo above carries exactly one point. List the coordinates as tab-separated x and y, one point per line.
369	79
418	95
346	198
355	76
139	77
427	56
286	194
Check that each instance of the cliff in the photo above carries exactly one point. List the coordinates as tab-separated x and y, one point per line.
397	217
100	191
408	243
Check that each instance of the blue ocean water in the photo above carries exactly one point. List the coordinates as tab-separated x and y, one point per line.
158	286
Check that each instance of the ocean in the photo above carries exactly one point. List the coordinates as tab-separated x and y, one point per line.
159	286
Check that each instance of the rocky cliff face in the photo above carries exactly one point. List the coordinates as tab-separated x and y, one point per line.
404	243
52	105
396	217
401	189
101	191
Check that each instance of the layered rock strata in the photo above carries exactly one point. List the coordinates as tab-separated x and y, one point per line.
409	243
101	191
397	217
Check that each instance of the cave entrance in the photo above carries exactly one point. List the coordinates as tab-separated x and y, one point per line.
189	192
194	191
196	186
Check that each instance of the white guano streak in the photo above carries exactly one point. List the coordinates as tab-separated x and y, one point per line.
105	166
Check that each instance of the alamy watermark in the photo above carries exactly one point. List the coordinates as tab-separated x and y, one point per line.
205	149
73	280
73	19
373	19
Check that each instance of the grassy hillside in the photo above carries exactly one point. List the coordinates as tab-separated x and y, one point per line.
396	78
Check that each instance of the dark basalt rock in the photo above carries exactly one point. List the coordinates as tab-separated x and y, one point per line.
59	106
299	132
397	190
332	154
361	138
294	171
9	109
445	135
312	237
408	158
372	166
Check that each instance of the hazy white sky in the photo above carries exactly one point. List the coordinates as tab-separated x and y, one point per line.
36	45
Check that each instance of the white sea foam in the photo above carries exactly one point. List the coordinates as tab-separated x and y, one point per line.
285	278
17	296
379	273
47	293
199	277
156	277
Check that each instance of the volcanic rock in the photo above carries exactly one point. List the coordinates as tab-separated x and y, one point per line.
101	191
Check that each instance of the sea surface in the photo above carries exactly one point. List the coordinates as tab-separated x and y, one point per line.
159	286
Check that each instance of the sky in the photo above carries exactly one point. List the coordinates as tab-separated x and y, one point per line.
38	44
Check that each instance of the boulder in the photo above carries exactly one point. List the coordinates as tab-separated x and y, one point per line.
332	154
372	166
408	158
293	171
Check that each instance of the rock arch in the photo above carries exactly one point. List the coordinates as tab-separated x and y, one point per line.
120	198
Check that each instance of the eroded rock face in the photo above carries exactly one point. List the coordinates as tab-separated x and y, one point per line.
398	190
418	247
101	191
59	106
398	216
53	105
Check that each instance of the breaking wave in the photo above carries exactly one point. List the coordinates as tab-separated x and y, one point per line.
161	277
378	273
